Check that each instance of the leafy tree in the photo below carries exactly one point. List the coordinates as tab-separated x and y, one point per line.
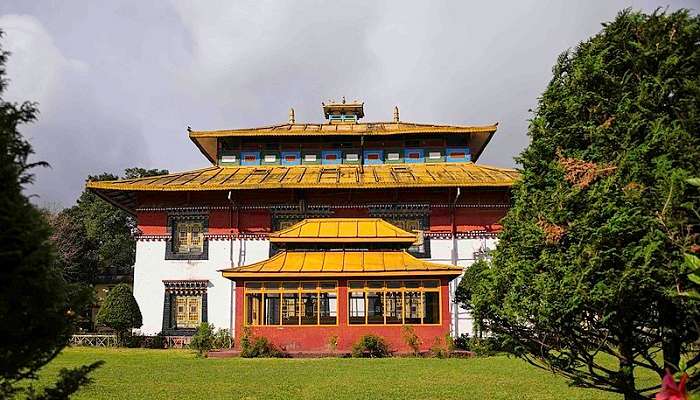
36	303
120	311
93	237
591	257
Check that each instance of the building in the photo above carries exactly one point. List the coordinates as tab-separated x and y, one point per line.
199	227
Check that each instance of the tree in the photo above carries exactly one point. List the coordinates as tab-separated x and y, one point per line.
120	311
93	237
36	303
591	258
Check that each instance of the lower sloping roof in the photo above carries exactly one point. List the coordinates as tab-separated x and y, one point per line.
122	192
343	230
293	264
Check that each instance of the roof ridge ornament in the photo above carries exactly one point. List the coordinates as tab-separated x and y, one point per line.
292	120
396	114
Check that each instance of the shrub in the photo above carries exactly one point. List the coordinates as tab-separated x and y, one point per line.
333	342
371	346
411	339
223	339
442	346
461	342
203	339
156	342
257	346
134	341
120	312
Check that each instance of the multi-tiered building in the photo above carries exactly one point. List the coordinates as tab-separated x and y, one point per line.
374	216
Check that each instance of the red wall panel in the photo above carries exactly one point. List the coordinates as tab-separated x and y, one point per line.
316	338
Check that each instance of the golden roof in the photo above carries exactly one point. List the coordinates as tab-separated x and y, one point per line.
343	230
383	176
287	264
206	141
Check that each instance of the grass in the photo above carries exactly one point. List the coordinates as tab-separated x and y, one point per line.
178	374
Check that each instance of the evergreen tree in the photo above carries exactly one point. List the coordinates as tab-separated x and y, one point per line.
120	311
36	303
590	262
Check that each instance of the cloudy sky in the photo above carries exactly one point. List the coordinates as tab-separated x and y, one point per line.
118	82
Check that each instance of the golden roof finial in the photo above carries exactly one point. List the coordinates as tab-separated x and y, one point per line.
291	116
396	113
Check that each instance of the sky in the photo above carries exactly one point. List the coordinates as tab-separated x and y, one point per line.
117	83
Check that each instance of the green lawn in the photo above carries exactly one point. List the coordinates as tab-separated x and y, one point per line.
177	374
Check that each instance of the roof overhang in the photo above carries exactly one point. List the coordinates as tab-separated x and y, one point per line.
299	275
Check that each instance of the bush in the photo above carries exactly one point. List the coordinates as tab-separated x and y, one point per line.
203	339
255	347
442	347
371	346
411	338
223	339
333	342
120	312
461	342
133	341
156	342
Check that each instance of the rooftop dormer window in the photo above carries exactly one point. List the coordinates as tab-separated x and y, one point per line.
343	112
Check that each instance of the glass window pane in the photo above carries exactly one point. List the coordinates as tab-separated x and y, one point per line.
375	307
375	284
290	285
356	304
272	285
431	309
272	309
328	308
412	284
253	308
253	285
290	309
356	284
394	305
309	285
328	285
431	283
309	304
393	284
412	307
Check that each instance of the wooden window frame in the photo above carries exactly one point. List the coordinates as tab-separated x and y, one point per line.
172	248
281	291
403	289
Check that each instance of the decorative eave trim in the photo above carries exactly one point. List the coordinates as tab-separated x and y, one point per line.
256	275
198	286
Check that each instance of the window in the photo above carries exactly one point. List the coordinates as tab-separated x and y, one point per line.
187	241
184	306
189	237
412	302
291	303
188	311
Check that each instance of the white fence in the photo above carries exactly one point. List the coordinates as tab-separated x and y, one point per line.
95	340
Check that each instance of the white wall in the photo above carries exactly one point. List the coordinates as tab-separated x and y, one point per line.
151	269
441	252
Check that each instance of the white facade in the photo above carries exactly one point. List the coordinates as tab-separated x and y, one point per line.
151	269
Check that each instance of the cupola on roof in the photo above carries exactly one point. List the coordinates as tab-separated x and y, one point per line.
342	111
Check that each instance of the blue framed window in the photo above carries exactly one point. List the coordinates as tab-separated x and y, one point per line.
290	157
250	158
414	155
458	154
373	157
331	157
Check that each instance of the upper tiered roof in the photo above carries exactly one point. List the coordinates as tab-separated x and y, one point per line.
206	141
